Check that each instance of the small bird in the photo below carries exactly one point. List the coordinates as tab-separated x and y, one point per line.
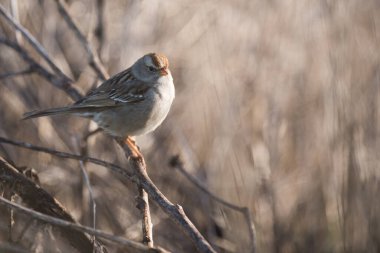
131	103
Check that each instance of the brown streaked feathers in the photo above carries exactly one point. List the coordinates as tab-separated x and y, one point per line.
132	102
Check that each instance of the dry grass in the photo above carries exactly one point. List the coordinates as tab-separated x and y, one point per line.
276	109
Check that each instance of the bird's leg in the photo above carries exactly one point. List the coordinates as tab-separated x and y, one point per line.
133	141
133	147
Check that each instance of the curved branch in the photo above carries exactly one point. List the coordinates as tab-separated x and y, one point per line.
94	60
78	227
113	167
35	44
17	73
61	82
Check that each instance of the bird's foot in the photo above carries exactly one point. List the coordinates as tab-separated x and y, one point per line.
135	150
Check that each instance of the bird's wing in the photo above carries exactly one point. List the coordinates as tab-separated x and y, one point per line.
120	89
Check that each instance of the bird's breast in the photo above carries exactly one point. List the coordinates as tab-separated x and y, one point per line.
133	119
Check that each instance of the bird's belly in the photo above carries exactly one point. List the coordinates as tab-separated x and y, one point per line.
135	119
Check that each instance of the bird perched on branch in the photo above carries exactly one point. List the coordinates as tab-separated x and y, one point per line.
131	103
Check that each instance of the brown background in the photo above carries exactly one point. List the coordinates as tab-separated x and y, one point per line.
277	108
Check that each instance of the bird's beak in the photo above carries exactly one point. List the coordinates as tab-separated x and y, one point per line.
164	72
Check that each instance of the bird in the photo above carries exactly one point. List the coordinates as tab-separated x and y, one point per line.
131	103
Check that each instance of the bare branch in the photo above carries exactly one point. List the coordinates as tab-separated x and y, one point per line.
17	73
91	193
62	83
113	167
78	227
42	201
175	212
35	44
99	30
92	55
147	226
83	147
176	162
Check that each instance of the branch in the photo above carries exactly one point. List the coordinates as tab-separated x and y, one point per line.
99	30
93	57
176	162
91	193
42	201
175	212
17	73
147	226
113	167
35	44
78	227
62	83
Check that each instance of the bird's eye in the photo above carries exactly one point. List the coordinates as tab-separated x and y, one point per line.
151	69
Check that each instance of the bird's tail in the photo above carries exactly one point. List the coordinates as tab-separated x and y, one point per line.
49	112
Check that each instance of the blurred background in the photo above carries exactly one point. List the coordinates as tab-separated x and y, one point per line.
277	109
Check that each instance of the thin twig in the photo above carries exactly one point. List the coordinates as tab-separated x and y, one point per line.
94	61
147	226
99	30
92	204
35	44
113	167
17	73
176	162
91	193
78	227
60	82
